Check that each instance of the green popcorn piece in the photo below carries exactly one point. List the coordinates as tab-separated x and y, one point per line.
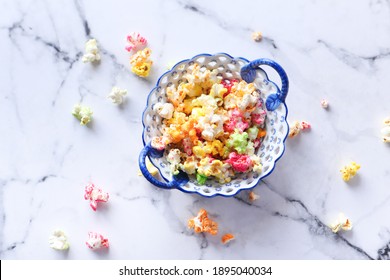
252	132
239	141
82	113
201	178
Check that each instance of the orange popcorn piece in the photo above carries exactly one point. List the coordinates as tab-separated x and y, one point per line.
202	223
253	196
227	238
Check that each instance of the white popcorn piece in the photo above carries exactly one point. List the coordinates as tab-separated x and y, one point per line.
324	104
116	95
165	110
59	241
91	51
174	160
96	241
386	131
342	223
257	36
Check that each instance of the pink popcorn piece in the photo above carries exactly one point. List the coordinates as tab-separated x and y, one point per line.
96	241
135	41
305	125
240	163
95	195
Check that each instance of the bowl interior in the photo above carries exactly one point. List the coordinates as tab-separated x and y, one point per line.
270	150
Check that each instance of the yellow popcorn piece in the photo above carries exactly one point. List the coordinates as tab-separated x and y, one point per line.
141	63
342	223
349	171
150	167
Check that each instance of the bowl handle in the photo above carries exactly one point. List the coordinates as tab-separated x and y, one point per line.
177	180
248	73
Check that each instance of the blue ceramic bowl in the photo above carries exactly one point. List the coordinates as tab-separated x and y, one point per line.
271	149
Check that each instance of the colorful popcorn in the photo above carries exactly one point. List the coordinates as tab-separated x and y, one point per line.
91	51
349	171
213	125
202	223
58	240
96	241
95	195
141	63
386	131
257	36
82	113
297	127
116	95
226	238
135	41
342	223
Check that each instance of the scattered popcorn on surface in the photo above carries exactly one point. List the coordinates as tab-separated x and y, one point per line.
58	240
96	241
349	171
342	223
253	196
386	131
227	238
213	125
202	223
324	104
82	113
141	63
95	195
135	41
91	51
305	125
257	36
297	127
116	95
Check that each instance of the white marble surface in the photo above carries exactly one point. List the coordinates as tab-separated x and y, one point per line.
330	49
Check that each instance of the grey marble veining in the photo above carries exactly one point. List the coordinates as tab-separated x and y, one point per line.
330	49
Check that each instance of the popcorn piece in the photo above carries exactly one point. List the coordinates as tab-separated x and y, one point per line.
95	195
257	36
91	51
82	113
386	131
240	163
150	167
253	196
174	159
201	179
164	110
227	238
305	125
239	141
116	95
135	41
342	223
58	240
296	128
324	104
96	241
349	171
141	63
202	223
